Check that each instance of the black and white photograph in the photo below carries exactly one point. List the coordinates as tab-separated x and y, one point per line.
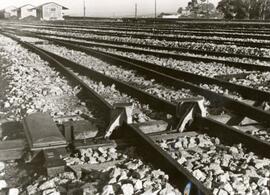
135	97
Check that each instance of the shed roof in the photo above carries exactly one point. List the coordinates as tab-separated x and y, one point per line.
22	7
40	6
25	6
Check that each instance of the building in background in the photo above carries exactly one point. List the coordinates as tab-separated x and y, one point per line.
50	11
169	15
26	11
8	12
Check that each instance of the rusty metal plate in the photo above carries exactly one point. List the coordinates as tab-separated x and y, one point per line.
42	132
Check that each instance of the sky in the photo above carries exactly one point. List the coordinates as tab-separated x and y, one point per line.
108	8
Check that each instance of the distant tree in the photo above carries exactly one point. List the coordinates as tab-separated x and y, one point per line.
245	9
225	7
205	8
264	9
241	9
233	9
180	10
267	11
200	7
193	6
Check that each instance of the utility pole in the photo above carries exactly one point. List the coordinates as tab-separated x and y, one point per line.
84	8
154	27
136	10
207	9
155	8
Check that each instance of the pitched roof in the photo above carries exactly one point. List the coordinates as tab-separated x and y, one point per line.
22	6
25	5
38	7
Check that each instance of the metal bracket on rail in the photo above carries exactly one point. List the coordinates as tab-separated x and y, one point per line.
121	112
45	142
186	110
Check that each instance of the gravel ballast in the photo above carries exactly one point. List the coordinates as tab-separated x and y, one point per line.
34	86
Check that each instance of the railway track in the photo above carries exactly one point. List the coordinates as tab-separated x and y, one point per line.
177	74
193	78
162	52
175	23
170	38
206	125
169	24
172	49
148	29
230	86
168	27
237	42
235	33
244	91
223	100
170	165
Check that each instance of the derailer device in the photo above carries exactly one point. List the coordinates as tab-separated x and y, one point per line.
186	110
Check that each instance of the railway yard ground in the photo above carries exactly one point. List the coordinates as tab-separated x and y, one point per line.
134	107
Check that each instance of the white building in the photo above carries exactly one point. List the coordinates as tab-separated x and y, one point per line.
171	16
25	11
50	11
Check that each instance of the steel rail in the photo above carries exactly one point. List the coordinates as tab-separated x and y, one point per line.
167	164
115	44
147	29
179	39
162	159
208	126
134	28
87	29
86	90
230	134
198	23
150	99
236	107
129	22
232	105
246	92
144	97
242	65
161	21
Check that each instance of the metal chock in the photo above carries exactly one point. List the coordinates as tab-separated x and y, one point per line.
121	112
186	110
